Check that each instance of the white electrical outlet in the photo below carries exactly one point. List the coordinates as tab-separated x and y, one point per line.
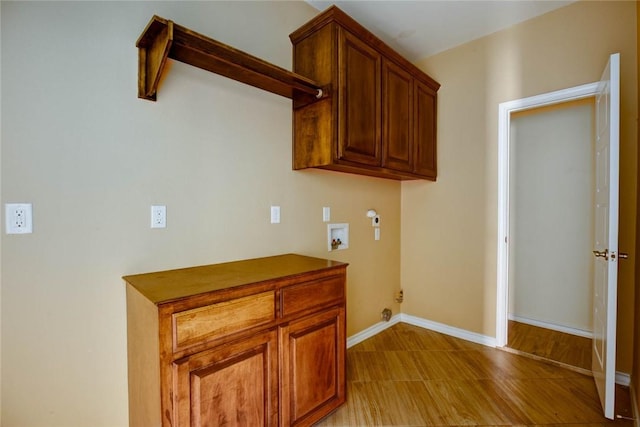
18	218
158	216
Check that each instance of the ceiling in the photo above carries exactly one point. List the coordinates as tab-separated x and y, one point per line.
422	28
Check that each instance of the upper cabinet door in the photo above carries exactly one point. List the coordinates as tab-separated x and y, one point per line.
425	131
397	98
358	101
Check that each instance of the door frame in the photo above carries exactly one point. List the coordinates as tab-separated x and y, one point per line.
505	110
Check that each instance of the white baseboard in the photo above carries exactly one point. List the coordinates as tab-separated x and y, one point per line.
622	378
371	331
552	326
449	330
423	323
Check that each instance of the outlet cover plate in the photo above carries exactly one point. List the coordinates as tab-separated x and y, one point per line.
158	216
19	218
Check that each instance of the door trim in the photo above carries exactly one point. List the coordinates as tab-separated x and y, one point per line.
505	110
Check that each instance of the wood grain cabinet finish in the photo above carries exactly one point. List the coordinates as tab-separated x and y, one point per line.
311	367
248	343
359	101
379	117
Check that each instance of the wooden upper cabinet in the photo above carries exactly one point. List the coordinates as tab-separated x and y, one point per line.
359	101
378	118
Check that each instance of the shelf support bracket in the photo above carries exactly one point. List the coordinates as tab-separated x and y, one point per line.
153	50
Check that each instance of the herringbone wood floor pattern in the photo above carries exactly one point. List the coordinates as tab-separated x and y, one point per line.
410	376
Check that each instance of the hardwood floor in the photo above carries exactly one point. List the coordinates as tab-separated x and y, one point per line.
564	348
409	376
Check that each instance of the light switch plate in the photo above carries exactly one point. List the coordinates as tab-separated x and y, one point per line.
326	214
275	214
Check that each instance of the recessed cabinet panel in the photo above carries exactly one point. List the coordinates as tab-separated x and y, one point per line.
313	354
236	384
425	131
397	95
359	103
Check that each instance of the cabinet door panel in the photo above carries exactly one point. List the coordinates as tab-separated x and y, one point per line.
313	367
359	101
425	131
231	385
397	97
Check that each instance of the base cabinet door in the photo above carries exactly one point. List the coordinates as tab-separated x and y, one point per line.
313	367
235	384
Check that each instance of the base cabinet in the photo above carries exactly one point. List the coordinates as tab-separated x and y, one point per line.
249	343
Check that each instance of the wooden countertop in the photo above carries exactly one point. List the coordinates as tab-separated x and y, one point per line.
165	286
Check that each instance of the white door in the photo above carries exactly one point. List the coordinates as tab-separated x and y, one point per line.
606	234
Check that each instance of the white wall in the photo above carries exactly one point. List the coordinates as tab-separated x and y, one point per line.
92	158
551	215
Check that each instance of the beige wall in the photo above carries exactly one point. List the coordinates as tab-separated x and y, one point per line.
92	158
551	226
449	229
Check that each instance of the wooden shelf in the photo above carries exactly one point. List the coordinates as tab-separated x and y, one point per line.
163	39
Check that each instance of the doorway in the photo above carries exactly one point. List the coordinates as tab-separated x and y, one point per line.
606	201
551	182
537	300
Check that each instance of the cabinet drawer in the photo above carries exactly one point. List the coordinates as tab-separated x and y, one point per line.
224	318
316	294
